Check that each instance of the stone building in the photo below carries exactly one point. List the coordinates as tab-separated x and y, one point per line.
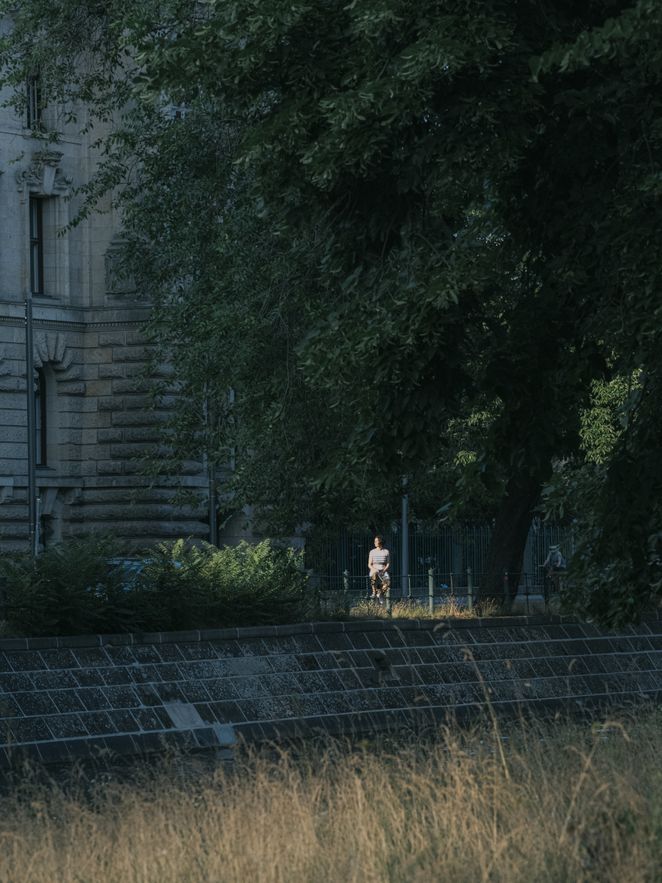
92	420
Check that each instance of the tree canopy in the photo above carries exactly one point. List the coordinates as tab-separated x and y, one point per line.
416	239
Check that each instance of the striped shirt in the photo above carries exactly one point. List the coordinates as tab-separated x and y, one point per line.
378	558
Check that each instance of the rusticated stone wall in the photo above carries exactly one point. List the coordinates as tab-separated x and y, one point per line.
90	350
100	422
68	698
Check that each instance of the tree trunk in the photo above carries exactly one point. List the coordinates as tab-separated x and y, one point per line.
511	529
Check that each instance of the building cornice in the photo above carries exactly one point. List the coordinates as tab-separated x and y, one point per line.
64	325
58	317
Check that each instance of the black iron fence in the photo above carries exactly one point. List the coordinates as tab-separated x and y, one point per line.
531	592
451	551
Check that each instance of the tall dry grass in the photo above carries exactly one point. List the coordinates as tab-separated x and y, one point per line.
560	803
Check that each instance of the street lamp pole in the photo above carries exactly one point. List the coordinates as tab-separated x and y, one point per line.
404	537
31	421
211	472
213	515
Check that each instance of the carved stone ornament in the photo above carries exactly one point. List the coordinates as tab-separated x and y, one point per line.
50	348
44	174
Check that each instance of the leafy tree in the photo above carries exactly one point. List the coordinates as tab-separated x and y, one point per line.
613	250
437	225
464	197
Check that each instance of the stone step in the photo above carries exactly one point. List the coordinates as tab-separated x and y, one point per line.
130	689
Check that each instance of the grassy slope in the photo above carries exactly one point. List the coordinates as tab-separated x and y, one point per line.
565	802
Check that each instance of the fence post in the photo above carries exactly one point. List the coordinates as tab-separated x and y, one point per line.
345	591
470	589
431	590
3	597
506	591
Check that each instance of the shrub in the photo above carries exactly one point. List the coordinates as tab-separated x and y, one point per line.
170	592
80	587
71	588
191	586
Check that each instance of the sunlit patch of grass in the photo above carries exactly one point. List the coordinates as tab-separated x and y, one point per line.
419	610
560	803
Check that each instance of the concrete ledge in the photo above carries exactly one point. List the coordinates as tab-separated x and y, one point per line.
107	749
588	629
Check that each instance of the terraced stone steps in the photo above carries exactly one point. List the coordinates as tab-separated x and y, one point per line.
61	699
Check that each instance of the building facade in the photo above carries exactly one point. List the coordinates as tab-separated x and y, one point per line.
92	413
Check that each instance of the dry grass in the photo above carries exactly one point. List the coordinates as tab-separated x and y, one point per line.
420	610
562	803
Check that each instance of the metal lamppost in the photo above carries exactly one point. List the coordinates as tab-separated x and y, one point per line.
47	161
33	527
404	539
213	514
212	477
208	457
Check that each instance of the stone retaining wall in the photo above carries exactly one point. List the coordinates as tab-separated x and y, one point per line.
67	698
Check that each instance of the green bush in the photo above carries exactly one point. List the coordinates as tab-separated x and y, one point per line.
192	586
81	586
68	589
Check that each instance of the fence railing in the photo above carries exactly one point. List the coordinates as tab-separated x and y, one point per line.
448	549
432	589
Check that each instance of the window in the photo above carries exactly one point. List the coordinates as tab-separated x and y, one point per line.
46	418
41	418
34	103
36	245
